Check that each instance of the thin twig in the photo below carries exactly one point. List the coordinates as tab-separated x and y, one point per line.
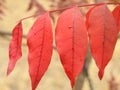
81	5
84	5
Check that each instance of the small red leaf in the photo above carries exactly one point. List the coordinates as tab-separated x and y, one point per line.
116	14
71	42
39	41
15	51
103	33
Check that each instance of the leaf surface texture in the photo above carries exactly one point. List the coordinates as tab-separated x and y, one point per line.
71	42
103	34
15	51
39	41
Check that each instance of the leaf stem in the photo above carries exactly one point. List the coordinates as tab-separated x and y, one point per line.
82	5
26	18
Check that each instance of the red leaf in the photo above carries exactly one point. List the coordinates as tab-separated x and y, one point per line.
103	33
116	14
15	51
39	41
71	42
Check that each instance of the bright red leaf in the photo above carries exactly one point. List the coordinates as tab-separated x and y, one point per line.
71	42
103	33
39	41
116	14
15	51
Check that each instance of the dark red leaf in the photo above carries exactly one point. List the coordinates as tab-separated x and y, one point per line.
15	51
116	14
103	33
39	41
71	42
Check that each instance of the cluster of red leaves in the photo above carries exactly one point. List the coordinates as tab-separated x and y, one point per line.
71	36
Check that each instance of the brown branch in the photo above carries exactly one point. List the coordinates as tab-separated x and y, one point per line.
4	34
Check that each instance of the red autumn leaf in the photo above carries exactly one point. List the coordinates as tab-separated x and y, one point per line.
39	41
71	42
15	51
103	33
116	14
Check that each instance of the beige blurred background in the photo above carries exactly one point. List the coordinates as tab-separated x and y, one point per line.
55	77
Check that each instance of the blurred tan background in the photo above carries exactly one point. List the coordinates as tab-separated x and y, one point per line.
55	77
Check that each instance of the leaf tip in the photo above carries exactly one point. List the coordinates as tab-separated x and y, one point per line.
8	72
34	87
72	83
10	68
100	74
